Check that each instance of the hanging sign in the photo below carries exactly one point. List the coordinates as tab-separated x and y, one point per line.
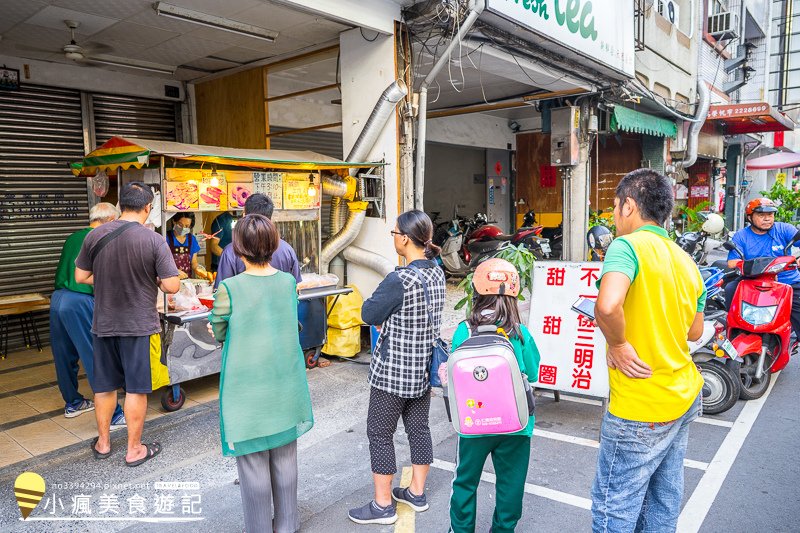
572	348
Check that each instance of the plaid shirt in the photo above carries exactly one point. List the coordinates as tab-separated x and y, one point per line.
403	350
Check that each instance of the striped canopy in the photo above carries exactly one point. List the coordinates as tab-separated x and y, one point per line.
124	153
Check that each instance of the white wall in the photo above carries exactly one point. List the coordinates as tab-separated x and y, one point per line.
92	79
367	68
475	129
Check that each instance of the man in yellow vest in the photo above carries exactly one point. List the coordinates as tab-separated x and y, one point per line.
650	302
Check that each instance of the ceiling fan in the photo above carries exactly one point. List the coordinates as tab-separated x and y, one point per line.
94	54
72	50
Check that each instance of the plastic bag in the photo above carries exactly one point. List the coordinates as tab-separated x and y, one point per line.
159	374
343	342
347	312
317	280
100	184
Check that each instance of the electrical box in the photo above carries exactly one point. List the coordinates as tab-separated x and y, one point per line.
565	123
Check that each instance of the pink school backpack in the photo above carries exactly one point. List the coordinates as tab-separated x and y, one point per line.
487	392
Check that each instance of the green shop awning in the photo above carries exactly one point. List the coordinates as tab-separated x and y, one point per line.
633	121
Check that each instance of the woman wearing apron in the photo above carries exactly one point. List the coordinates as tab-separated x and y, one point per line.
184	245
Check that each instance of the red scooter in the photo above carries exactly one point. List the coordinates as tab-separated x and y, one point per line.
758	319
488	236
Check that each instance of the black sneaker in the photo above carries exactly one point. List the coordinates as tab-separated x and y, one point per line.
418	503
372	513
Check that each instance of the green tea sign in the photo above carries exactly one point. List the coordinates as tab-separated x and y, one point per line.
600	30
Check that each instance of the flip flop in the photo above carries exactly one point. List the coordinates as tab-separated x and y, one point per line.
99	455
153	449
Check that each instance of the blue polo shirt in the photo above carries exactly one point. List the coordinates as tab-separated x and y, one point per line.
771	244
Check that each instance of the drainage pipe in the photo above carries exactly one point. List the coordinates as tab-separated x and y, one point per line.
694	130
476	7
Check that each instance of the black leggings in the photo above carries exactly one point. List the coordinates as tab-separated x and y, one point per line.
385	410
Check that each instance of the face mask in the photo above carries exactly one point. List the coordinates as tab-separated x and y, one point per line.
184	231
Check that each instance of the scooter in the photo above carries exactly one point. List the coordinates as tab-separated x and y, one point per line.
718	363
486	235
759	318
698	244
452	249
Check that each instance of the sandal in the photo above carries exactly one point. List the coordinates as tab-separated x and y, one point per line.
153	449
97	454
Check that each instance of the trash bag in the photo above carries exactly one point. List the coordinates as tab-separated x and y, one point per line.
343	342
159	373
347	312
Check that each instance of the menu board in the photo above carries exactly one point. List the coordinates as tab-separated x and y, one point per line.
295	192
182	195
270	184
238	194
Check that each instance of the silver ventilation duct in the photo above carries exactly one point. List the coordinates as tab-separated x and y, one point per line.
368	259
342	239
376	121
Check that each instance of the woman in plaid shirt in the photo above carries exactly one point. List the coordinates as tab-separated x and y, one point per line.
398	377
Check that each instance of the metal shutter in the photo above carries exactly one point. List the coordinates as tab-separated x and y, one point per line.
323	142
42	202
127	116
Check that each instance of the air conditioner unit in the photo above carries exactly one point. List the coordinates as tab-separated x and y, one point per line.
670	10
723	26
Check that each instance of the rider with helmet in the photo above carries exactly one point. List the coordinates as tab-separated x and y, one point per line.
766	238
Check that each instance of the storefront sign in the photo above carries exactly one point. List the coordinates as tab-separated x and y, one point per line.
270	184
34	205
737	110
699	191
590	28
572	349
295	192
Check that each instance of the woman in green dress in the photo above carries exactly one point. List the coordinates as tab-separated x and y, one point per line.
264	403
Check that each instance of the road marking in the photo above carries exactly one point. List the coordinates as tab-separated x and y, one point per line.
589	443
714	422
406	517
701	500
530	488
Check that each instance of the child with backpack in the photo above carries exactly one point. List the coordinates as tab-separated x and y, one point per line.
493	356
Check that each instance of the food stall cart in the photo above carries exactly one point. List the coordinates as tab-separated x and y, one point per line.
208	179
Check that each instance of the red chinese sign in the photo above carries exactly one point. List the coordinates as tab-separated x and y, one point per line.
572	348
737	110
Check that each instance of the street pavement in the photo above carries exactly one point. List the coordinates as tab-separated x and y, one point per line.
742	471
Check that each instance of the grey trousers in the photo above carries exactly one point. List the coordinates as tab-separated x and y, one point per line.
268	480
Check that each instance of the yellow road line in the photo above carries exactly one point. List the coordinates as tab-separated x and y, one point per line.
406	517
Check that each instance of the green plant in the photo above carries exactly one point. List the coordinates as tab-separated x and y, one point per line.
787	200
519	256
692	215
596	219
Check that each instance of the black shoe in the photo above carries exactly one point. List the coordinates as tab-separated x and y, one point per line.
372	513
418	503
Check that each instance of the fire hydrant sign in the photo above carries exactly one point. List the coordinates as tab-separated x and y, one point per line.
572	348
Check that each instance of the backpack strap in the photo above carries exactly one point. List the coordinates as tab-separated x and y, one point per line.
99	245
428	305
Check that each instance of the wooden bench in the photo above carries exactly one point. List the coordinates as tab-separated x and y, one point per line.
21	307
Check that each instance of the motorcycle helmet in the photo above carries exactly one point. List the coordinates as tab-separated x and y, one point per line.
496	276
760	205
599	238
713	224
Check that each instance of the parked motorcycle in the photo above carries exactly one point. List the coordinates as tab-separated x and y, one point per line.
715	278
719	363
486	236
758	320
698	244
451	257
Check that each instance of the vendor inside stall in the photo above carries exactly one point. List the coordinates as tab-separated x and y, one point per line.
184	246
